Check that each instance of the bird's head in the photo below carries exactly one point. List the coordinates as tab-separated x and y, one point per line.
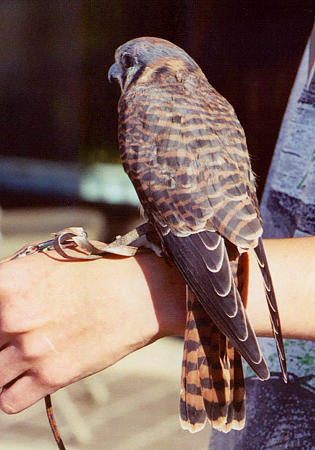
141	57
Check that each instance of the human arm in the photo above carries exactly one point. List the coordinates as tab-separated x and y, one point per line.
292	266
62	321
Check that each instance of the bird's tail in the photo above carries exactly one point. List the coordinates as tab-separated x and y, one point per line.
213	387
212	375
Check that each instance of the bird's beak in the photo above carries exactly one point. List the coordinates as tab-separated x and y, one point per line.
114	73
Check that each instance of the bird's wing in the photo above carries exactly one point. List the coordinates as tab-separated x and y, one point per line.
203	262
185	155
185	151
272	306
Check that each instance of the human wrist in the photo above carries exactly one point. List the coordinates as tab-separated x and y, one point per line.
166	293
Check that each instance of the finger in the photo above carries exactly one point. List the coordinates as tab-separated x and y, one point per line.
11	364
3	344
4	340
21	394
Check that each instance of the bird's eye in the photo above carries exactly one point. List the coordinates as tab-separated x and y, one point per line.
127	61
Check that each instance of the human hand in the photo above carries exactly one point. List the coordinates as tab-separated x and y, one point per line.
62	321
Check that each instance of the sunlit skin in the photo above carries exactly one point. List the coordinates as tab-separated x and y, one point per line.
53	313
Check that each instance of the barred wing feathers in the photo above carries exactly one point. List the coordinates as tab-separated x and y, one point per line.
185	152
203	262
272	306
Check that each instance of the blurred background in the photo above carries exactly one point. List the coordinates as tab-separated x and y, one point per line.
59	164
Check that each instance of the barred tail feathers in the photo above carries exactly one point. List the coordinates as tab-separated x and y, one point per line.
212	375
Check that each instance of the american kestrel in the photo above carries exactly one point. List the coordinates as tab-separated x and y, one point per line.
185	152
